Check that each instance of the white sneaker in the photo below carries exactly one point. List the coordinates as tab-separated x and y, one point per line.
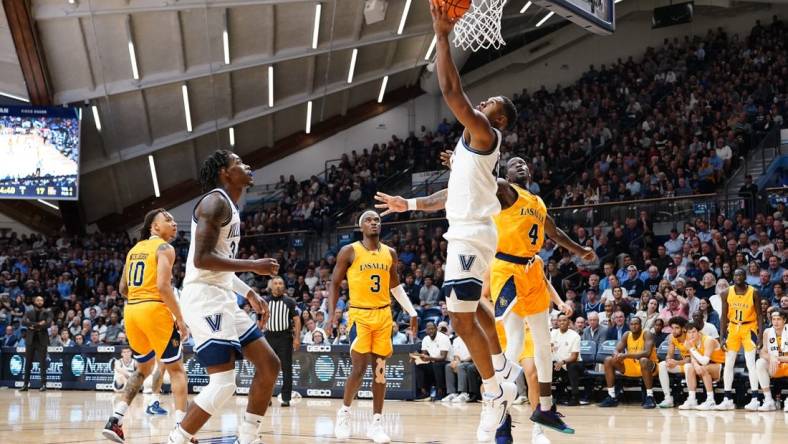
768	406
708	404
753	405
462	398
342	426
538	436
449	398
376	433
727	404
689	404
494	409
520	400
667	403
510	372
785	405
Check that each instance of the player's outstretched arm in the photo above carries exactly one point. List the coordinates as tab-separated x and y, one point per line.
449	79
398	204
560	237
165	258
212	212
344	259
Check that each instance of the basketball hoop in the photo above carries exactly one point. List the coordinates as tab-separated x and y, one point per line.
480	27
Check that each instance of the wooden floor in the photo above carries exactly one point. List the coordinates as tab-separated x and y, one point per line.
78	417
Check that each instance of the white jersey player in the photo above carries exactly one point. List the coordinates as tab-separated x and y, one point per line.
222	332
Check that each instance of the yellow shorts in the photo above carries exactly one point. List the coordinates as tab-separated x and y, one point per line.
370	331
528	342
519	288
632	368
150	329
742	335
782	371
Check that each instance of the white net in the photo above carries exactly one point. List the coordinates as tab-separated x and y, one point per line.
480	27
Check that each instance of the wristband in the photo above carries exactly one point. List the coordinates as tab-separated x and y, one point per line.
412	206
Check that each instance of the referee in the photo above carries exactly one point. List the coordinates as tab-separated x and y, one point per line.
282	333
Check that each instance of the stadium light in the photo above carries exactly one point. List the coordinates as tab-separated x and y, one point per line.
618	1
232	136
352	65
316	31
431	48
186	108
309	117
404	17
226	45
96	118
11	96
270	86
546	18
383	89
153	176
525	8
133	57
49	204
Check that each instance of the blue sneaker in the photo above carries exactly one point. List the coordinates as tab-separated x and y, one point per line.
504	433
551	419
649	403
609	401
155	409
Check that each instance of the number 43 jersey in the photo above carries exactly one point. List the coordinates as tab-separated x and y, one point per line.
226	245
521	226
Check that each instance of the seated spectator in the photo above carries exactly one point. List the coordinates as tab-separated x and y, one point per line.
342	336
635	357
606	316
10	339
649	315
63	340
113	329
632	284
708	314
658	332
706	328
567	364
692	300
594	332
435	349
675	306
94	339
397	337
79	340
457	387
579	325
591	303
428	295
618	328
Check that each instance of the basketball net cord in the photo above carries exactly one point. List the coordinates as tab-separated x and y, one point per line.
480	27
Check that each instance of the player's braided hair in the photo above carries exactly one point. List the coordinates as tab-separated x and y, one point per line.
146	224
209	173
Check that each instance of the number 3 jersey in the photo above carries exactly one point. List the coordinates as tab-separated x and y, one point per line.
368	276
226	246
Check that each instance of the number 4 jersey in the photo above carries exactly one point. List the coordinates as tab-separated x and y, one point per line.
226	245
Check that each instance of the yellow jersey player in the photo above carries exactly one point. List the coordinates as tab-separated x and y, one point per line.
671	365
370	268
635	356
706	359
741	326
774	359
153	319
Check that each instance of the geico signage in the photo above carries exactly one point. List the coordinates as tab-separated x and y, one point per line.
54	385
318	348
318	392
55	349
242	390
105	387
105	349
365	394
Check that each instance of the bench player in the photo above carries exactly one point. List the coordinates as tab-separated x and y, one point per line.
222	331
635	357
671	365
153	319
774	359
741	326
706	362
370	267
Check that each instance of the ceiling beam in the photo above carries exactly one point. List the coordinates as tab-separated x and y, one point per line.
52	10
270	35
207	69
31	56
358	20
177	38
211	126
310	75
261	157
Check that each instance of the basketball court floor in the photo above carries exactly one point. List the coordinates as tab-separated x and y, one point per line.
71	417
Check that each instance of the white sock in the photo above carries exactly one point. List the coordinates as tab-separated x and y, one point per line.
546	403
767	396
691	395
179	415
650	392
491	386
178	435
611	391
120	411
499	362
377	417
344	409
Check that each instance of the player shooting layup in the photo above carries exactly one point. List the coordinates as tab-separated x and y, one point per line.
222	331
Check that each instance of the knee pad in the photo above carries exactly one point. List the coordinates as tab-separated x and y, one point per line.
380	371
220	388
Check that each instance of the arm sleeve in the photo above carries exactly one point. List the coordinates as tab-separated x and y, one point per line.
703	360
399	294
240	286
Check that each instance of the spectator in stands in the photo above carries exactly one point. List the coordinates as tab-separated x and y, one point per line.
428	295
579	325
650	314
594	332
692	300
10	338
592	304
675	306
397	337
113	329
567	365
79	340
617	328
431	363
708	313
94	339
606	317
633	285
706	328
457	383
765	286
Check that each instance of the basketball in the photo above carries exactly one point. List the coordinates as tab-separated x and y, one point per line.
455	8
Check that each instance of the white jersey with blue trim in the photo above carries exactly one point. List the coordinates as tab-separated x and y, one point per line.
226	245
473	183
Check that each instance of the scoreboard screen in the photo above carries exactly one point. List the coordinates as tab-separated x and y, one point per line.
597	16
39	152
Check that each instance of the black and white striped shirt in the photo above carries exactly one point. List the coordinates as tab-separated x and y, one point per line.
283	310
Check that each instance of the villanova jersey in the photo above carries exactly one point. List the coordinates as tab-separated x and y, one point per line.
226	245
473	183
368	276
521	226
141	271
741	309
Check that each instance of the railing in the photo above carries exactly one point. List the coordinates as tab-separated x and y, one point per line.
304	241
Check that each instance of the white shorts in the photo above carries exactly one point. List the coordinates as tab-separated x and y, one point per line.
216	323
470	251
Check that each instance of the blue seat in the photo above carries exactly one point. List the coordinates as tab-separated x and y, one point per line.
588	352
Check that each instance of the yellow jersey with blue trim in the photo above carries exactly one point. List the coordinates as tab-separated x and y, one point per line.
741	309
368	277
141	271
521	226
